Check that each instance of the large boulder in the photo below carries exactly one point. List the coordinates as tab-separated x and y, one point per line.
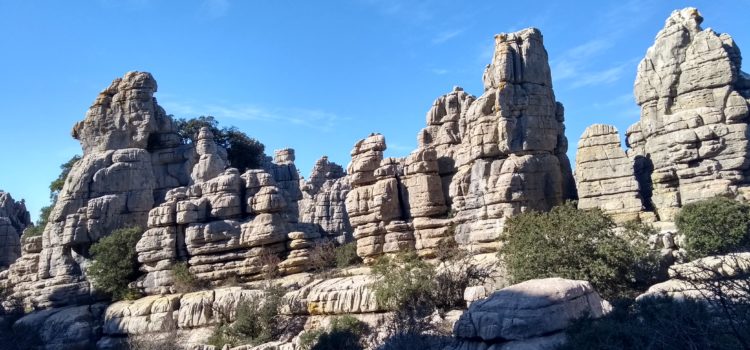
528	310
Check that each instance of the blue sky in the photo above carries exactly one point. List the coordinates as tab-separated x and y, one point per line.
313	75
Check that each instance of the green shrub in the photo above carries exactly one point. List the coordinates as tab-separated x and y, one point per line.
323	256
575	244
345	332
655	324
115	263
714	226
405	283
184	280
257	321
346	255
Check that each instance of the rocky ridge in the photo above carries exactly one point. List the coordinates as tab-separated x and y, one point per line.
479	161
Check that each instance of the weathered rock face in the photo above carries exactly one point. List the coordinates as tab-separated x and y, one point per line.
535	311
131	157
708	278
479	161
323	201
604	175
691	141
14	218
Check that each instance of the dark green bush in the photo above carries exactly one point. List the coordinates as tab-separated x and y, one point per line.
405	283
346	255
714	226
576	244
115	263
345	332
323	256
184	280
243	152
257	321
656	324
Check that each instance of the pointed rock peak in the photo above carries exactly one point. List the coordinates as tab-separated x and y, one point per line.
124	115
688	17
283	156
518	58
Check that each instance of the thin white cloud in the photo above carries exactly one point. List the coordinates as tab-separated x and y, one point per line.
606	76
414	11
311	118
572	62
399	150
439	71
447	35
213	9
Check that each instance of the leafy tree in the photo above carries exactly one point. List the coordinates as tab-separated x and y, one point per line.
56	186
577	244
714	226
115	262
243	151
345	332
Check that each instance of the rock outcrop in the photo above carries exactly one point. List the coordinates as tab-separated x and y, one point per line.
479	161
533	312
706	278
323	201
691	140
131	157
604	175
14	218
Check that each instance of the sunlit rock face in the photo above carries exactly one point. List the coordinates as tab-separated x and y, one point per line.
691	141
131	157
479	161
14	218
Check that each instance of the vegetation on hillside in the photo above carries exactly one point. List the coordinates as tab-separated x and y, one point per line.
579	244
256	320
714	226
115	263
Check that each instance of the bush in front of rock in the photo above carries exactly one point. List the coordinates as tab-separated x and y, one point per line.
714	226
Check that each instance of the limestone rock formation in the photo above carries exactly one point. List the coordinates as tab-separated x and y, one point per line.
14	218
604	175
479	161
690	142
706	279
534	311
323	200
131	157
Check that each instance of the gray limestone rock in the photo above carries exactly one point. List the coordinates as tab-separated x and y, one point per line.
14	218
529	310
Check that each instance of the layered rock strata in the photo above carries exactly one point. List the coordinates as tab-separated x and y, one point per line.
528	315
14	218
323	201
131	157
479	161
604	175
690	142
